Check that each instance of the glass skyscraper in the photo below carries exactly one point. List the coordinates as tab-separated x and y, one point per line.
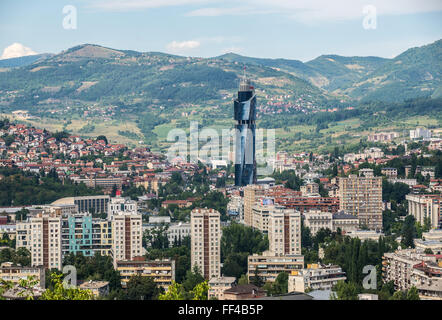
245	116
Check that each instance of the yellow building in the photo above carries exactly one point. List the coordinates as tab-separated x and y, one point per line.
162	271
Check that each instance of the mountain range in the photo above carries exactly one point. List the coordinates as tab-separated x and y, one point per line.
91	73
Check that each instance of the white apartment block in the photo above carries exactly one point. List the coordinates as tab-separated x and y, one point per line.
407	268
409	182
41	235
424	207
316	220
284	231
315	277
205	229
420	133
310	189
127	236
118	205
177	232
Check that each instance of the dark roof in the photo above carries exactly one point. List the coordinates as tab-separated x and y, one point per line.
289	296
244	288
342	215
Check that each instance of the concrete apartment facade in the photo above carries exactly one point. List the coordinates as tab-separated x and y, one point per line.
251	194
161	271
315	277
218	286
41	235
269	265
15	273
127	235
424	207
284	231
410	267
205	229
362	197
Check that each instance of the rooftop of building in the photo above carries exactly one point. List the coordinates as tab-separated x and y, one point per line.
342	215
244	289
93	284
289	296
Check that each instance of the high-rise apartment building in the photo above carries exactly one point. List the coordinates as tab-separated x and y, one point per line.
251	195
205	229
86	235
119	204
52	233
245	116
127	235
284	231
41	235
362	196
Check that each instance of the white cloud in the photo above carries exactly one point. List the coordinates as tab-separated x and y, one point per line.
16	50
176	46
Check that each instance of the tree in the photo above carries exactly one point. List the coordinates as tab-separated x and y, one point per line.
21	215
5	286
413	294
235	264
398	295
200	292
59	292
102	138
345	291
257	280
280	286
243	280
193	278
174	292
408	232
142	288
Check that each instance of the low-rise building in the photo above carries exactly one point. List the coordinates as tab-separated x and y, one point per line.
218	285
427	278
365	235
243	292
316	277
316	220
426	207
409	267
269	266
98	288
368	296
15	273
177	232
389	172
345	222
162	271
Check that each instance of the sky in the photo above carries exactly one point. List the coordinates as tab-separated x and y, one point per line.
291	29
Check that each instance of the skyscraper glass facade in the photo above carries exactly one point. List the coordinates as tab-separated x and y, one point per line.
245	116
